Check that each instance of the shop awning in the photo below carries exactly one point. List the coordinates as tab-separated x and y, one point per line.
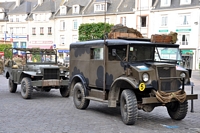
41	46
1	53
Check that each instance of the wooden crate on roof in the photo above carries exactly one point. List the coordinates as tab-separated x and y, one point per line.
115	35
157	38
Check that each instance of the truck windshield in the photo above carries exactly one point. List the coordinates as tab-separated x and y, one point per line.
166	53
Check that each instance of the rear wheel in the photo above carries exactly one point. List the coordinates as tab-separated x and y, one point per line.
79	97
12	86
128	107
177	110
26	88
64	91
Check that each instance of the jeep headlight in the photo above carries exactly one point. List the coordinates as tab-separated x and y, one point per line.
145	77
38	71
182	75
67	74
61	71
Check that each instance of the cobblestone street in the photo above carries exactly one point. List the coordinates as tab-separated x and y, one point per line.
48	112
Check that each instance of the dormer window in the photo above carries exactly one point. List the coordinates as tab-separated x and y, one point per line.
185	2
63	10
76	9
165	3
99	7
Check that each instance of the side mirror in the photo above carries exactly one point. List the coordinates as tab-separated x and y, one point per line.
113	52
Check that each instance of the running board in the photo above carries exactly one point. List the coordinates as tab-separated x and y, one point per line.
97	99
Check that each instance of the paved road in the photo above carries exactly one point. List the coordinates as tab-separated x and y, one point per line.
48	112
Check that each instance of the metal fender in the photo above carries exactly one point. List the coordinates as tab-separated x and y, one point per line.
79	78
114	92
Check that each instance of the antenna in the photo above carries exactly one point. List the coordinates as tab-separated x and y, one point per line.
104	54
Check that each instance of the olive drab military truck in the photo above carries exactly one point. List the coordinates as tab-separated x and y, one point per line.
34	69
132	73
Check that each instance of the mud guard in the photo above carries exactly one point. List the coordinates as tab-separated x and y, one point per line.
82	80
114	92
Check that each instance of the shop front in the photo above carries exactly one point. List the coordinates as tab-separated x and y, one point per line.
187	58
62	53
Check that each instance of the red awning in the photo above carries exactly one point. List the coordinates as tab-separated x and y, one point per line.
41	46
1	53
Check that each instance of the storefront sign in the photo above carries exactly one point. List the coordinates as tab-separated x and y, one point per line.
183	30
41	42
163	30
63	51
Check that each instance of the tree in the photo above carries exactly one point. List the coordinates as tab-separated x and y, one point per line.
93	31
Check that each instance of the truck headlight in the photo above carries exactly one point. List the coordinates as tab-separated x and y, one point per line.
145	77
38	71
183	75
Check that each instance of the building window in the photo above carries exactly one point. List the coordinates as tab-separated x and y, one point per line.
184	19
74	38
75	24
143	20
11	19
17	18
76	9
123	21
41	30
23	30
143	5
62	40
49	31
99	7
184	2
183	38
33	31
62	25
63	10
11	30
164	20
108	20
165	3
2	29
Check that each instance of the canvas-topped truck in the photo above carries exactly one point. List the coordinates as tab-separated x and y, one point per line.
132	73
34	69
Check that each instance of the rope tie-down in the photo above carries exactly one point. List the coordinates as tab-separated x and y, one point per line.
166	97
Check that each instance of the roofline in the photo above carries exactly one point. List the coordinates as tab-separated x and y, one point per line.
183	8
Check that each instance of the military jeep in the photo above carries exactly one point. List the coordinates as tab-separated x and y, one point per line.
34	69
131	73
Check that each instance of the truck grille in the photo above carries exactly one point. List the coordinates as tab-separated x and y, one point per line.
170	83
51	73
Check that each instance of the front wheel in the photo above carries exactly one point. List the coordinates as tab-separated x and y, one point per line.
79	97
128	107
64	91
12	86
177	110
26	88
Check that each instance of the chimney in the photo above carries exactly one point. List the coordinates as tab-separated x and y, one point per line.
17	3
40	2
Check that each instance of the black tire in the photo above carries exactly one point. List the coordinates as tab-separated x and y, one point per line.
64	91
12	86
177	110
47	90
128	107
79	97
26	88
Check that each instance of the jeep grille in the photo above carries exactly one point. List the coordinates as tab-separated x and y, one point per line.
170	83
51	73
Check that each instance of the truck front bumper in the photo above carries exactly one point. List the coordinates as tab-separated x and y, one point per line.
151	100
50	82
